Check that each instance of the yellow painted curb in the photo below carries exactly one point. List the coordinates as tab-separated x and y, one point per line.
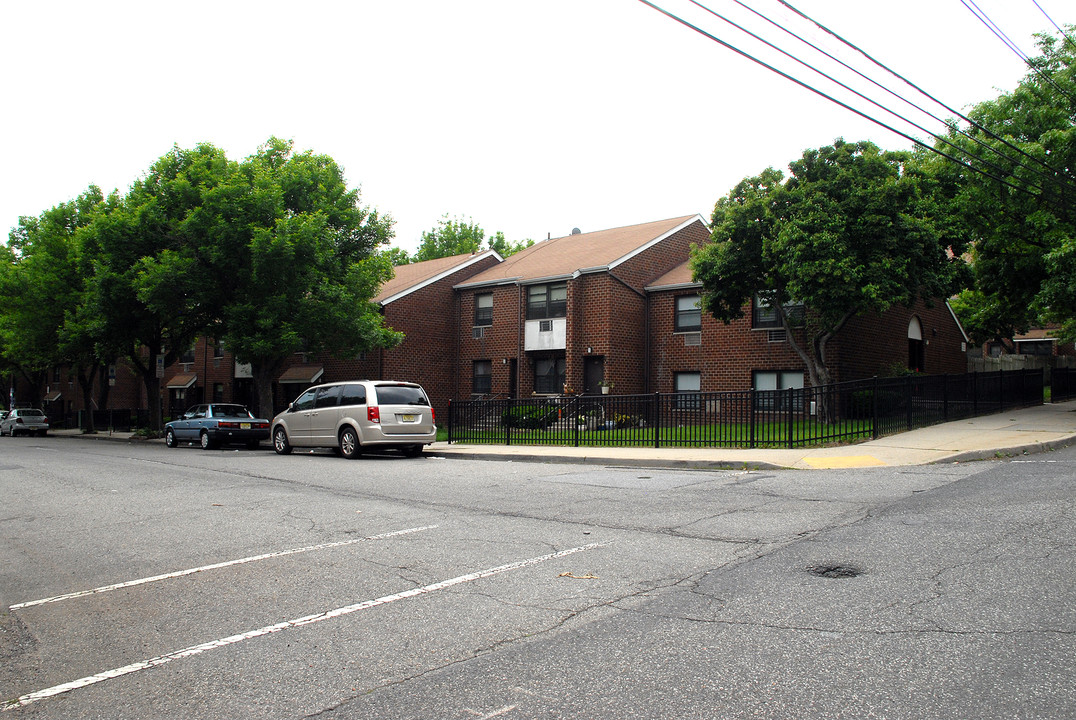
843	461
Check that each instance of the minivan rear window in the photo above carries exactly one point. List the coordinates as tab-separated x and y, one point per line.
401	395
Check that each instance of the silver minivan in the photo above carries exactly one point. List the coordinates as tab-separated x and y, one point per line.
350	416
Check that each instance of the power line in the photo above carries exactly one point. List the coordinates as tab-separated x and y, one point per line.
873	102
1026	187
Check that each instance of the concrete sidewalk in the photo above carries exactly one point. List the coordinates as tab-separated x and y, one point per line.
1015	432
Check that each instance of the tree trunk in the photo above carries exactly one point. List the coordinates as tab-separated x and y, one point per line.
264	373
86	377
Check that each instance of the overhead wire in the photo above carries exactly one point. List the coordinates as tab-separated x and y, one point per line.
985	19
960	161
949	125
1059	28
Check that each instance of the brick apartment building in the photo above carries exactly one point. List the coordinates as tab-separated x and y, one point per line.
567	315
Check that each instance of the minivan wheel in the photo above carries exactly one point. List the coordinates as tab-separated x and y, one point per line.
280	441
413	450
350	447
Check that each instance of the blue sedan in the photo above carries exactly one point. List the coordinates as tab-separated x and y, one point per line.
217	424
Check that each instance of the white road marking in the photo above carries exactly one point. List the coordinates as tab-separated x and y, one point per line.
217	566
270	629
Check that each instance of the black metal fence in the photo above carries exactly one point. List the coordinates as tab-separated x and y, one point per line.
1062	384
832	414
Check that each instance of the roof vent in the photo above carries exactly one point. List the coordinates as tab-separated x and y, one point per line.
576	231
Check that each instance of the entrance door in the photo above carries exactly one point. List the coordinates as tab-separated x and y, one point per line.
593	374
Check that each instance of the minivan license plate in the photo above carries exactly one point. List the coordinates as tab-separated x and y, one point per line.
407	418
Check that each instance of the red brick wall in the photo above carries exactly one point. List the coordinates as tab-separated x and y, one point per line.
726	356
878	345
502	341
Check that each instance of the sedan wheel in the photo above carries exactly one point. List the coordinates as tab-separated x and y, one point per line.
349	443
280	442
170	438
207	444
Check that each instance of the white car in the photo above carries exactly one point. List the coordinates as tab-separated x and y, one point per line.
25	421
352	416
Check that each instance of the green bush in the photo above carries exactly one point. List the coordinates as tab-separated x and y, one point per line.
529	417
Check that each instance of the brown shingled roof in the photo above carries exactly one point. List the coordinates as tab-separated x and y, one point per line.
679	276
412	276
564	256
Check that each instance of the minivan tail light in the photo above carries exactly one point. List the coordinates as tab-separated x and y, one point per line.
373	413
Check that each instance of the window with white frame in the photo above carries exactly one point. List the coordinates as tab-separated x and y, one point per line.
771	381
687	386
688	313
483	309
764	314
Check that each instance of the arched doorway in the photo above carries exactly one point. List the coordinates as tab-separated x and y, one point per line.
916	346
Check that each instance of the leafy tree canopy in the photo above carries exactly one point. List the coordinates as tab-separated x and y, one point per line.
1014	196
456	236
852	230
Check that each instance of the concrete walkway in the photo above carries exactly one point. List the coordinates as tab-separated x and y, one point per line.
1014	432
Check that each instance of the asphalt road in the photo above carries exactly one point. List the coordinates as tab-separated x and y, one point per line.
142	582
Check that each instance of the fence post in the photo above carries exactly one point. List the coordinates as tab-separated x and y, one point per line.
751	414
657	420
451	411
791	419
874	409
945	397
908	397
1001	390
975	394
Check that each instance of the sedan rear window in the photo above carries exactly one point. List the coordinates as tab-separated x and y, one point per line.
401	395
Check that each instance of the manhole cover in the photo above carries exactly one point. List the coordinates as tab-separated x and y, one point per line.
834	571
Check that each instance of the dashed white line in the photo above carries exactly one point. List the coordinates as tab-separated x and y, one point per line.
270	629
217	566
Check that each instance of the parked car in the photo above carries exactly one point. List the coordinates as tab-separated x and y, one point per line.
25	421
216	424
355	415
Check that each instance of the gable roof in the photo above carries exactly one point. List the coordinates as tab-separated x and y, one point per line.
415	276
574	255
679	278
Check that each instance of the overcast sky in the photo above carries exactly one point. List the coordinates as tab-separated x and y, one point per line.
528	117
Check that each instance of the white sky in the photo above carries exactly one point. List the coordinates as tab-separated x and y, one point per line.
528	117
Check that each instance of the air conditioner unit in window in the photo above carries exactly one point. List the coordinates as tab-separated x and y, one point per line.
693	339
777	336
479	332
545	326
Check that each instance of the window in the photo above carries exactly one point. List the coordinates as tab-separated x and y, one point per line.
482	377
218	349
327	397
764	315
305	401
771	381
549	375
218	392
688	385
188	355
688	314
547	301
483	309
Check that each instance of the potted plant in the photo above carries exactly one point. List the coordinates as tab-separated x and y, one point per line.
605	386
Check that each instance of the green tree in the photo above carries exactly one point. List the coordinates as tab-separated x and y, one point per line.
1015	198
455	236
853	230
303	278
156	284
41	286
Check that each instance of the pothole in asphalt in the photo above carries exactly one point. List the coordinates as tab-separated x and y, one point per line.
835	571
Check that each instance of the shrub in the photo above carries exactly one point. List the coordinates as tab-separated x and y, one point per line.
529	417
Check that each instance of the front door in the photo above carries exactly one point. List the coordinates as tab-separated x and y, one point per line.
593	374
